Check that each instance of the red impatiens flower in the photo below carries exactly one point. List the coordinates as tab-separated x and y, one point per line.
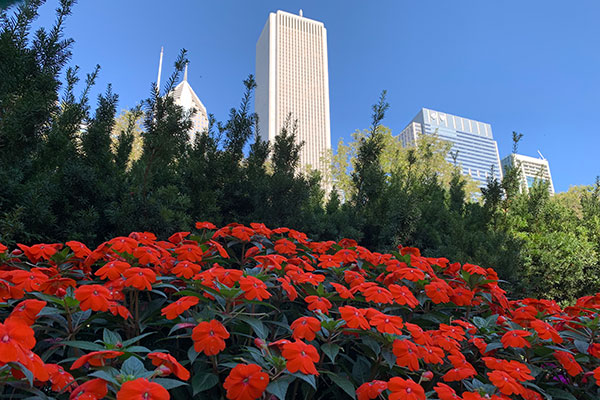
123	244
96	358
30	281
209	337
205	225
95	297
546	331
254	288
406	353
505	383
515	338
288	288
445	392
3	248
140	278
246	382
300	357
79	249
142	389
112	270
284	246
371	390
186	269
94	389
342	290
305	328
405	389
597	376
387	323
189	252
146	255
169	365
568	362
379	295
438	291
403	296
59	377
355	318
28	310
177	308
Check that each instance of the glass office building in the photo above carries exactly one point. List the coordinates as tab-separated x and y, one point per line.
531	169
472	141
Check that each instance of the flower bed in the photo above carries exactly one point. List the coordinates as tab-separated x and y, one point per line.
248	312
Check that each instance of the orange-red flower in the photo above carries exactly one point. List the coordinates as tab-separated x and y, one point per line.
342	290
189	252
96	358
95	297
246	382
405	389
146	255
209	337
568	362
177	308
140	278
112	270
142	389
123	244
597	376
371	390
30	281
515	338
546	331
79	249
438	291
94	389
170	365
59	377
284	246
387	323
305	328
254	288
445	392
289	289
505	383
406	353
300	357
355	318
378	294
28	310
403	296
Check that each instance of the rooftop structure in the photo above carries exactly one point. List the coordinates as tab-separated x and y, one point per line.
531	170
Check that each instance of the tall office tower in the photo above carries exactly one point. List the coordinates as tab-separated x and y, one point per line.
531	169
184	95
292	79
472	140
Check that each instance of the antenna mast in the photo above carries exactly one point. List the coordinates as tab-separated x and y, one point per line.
159	70
540	153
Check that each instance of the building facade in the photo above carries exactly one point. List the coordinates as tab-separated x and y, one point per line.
293	83
531	169
472	141
184	96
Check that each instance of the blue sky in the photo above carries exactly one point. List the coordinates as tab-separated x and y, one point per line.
526	66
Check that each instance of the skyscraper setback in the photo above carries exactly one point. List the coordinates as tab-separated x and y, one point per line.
292	80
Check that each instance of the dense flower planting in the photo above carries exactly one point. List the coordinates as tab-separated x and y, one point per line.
248	312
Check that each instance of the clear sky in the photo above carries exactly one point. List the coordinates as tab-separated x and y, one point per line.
528	66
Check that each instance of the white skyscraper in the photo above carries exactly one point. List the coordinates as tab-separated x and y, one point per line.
531	169
292	78
184	96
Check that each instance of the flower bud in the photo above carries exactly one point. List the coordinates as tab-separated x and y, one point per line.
427	376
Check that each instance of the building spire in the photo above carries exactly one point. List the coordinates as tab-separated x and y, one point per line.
159	70
185	73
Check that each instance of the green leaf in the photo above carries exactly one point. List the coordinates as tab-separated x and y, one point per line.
109	337
192	354
257	325
135	339
310	379
279	387
331	350
133	366
345	384
582	346
560	394
104	375
202	382
493	346
372	344
80	317
83	345
28	374
361	369
169	383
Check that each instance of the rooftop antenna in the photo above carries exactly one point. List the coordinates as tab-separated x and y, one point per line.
540	153
185	73
300	13
160	70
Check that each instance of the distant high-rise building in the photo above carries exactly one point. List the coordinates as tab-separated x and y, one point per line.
531	170
184	95
292	80
472	142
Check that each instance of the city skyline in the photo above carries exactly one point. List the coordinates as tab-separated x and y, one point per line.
520	79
